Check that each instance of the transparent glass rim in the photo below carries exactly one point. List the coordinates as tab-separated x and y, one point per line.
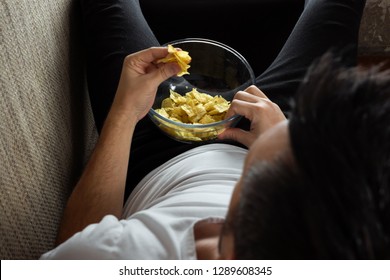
153	113
219	44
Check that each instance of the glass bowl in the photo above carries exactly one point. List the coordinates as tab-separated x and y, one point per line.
216	69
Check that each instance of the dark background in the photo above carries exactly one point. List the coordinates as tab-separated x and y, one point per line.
255	28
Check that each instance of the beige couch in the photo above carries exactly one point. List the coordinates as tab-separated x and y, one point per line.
46	126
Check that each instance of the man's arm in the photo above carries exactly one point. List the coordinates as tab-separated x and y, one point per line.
100	190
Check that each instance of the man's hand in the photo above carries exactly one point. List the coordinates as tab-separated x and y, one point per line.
140	77
254	105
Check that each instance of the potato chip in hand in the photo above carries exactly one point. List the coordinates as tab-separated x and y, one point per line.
180	57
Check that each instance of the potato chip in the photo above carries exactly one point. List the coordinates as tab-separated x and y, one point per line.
194	108
180	57
177	98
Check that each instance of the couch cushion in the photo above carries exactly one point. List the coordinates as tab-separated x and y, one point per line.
374	32
46	127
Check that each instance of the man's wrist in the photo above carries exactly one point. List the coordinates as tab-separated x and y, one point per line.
121	118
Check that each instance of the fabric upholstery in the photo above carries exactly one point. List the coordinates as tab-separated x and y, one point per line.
46	126
375	29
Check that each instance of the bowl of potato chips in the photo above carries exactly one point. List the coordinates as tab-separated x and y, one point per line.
192	106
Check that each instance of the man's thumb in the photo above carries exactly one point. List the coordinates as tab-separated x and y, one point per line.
168	70
235	134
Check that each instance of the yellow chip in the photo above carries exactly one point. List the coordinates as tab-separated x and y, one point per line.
177	98
167	103
163	112
207	119
194	108
180	57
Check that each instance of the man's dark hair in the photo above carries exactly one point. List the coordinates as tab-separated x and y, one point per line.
333	202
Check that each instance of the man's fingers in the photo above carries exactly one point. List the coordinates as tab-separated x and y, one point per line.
241	107
154	53
168	70
256	91
247	97
142	59
238	135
